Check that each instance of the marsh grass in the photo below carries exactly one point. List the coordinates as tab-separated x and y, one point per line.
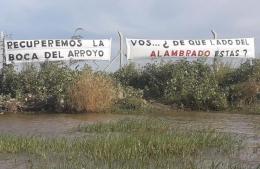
127	143
127	125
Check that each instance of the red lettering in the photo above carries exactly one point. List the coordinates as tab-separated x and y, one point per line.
166	53
207	53
194	53
174	53
188	52
181	53
200	53
153	55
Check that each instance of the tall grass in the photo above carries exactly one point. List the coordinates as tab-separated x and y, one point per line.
93	92
127	125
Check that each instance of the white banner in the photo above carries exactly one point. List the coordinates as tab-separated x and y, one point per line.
57	50
145	48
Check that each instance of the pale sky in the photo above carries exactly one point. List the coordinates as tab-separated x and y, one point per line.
153	19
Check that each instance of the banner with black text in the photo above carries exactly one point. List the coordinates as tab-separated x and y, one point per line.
57	50
145	48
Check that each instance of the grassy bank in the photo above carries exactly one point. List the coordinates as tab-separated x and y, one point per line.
127	143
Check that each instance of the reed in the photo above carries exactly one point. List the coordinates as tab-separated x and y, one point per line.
93	92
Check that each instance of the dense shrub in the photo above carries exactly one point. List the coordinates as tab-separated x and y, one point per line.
56	79
43	88
194	85
186	84
9	81
243	84
154	79
93	92
128	76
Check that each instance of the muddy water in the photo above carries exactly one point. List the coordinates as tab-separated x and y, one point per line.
48	124
247	126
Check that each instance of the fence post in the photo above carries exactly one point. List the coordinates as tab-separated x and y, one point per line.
120	48
2	41
215	57
3	59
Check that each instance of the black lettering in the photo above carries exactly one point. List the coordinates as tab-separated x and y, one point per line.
232	53
25	56
238	42
11	57
22	44
72	43
224	42
54	54
16	45
101	43
64	43
88	52
237	52
70	54
82	52
79	43
76	52
101	53
29	44
134	42
34	56
19	56
230	42
165	45
50	43
9	45
191	42
58	42
95	52
47	55
175	43
148	43
36	42
245	52
141	42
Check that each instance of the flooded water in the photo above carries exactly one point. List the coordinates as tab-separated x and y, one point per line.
48	124
246	126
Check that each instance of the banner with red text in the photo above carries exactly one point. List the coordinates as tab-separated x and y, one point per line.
146	48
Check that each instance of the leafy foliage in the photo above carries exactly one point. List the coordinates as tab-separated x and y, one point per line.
194	85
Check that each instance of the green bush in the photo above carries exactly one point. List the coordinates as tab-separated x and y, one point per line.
128	76
154	79
194	85
43	88
9	81
56	79
242	84
186	84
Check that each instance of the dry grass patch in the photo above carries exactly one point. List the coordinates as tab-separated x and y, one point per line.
93	92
